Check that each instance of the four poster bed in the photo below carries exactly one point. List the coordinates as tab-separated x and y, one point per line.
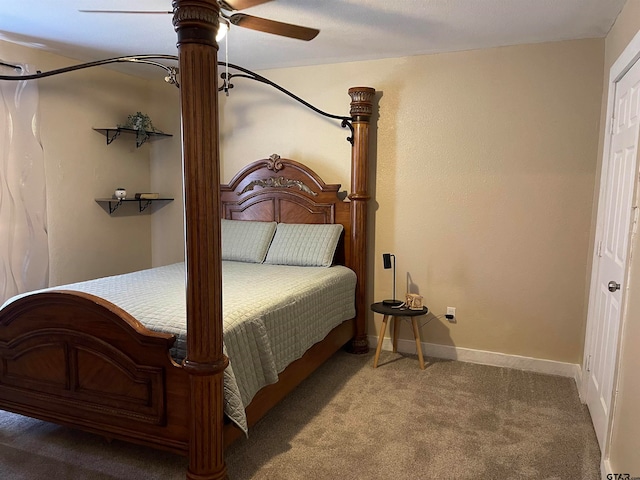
77	359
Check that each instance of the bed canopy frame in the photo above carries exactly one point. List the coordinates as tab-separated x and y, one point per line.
196	23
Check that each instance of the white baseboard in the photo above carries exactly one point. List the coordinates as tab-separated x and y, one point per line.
550	367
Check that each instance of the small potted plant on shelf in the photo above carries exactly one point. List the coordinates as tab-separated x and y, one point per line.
141	123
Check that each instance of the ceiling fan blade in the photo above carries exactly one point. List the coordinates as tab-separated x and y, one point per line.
125	11
271	26
234	5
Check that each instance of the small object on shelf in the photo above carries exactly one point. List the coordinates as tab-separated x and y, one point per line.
147	196
120	193
140	121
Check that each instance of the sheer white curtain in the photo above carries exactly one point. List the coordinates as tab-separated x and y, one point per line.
24	248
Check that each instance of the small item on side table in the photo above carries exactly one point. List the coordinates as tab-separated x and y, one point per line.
386	262
396	313
413	301
120	193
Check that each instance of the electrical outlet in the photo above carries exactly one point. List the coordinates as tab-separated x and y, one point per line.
451	314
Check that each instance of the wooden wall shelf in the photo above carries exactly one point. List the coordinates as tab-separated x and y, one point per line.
141	135
143	203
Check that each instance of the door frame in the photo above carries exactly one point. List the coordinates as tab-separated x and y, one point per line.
629	56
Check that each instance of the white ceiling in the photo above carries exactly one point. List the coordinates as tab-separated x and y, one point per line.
349	29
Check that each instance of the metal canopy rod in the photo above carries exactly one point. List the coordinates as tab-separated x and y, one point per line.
226	86
172	74
4	64
144	59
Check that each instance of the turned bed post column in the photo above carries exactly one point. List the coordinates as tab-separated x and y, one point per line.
361	111
196	23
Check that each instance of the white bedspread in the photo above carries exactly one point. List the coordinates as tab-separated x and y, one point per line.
272	315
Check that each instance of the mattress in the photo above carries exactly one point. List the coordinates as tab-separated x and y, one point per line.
272	314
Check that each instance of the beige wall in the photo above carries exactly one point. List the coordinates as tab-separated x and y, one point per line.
167	230
483	180
625	439
84	241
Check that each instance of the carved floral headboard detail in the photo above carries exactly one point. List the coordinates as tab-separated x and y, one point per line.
275	163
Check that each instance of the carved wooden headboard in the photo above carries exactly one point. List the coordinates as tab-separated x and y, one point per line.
285	191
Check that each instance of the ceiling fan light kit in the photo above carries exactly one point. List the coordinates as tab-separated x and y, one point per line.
223	28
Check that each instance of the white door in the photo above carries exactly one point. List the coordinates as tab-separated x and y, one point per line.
613	248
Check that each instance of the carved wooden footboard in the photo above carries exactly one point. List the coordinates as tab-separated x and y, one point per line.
78	360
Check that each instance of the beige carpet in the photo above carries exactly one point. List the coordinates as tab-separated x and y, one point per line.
450	421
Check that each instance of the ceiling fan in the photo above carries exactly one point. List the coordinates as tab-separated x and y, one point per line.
243	20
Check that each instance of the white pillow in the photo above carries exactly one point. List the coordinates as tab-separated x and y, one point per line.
245	240
307	245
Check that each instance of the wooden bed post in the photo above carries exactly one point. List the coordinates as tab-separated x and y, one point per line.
196	23
361	111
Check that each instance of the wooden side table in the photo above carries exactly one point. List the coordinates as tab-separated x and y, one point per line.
397	313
